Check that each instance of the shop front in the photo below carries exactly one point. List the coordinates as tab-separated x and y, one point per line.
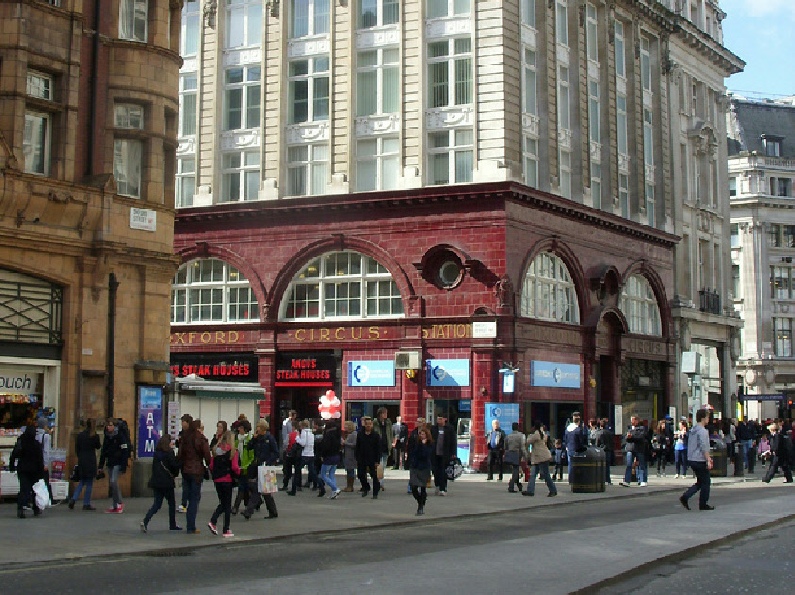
646	382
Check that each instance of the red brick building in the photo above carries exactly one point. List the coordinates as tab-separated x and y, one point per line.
477	276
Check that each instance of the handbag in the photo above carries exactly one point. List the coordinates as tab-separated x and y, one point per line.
267	483
42	495
511	457
100	474
75	476
379	471
454	469
295	451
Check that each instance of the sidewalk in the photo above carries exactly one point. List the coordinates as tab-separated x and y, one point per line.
63	534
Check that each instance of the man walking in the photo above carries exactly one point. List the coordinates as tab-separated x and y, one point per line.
495	440
400	431
444	451
383	427
700	462
781	449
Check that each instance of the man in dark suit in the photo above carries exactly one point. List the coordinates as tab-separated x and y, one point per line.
444	444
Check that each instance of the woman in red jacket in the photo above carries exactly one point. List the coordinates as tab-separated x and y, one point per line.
224	468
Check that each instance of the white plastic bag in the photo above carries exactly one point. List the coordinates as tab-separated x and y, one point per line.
42	495
266	480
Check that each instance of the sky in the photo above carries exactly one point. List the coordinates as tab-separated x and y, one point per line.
762	33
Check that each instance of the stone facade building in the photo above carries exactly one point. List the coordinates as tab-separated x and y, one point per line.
499	162
761	179
88	123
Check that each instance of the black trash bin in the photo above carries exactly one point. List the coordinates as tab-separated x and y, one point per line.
720	464
588	471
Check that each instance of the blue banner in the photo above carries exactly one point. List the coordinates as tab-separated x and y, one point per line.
447	372
554	374
505	413
371	373
150	419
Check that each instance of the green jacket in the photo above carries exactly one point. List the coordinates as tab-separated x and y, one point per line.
247	454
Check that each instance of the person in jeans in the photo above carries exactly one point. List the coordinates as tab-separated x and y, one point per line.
637	440
224	468
86	447
330	455
194	454
444	440
700	461
540	458
115	453
185	420
165	468
680	450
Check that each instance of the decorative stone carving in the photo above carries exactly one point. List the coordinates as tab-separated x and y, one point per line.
449	117
308	132
297	48
448	27
210	11
530	124
377	37
241	139
377	124
503	291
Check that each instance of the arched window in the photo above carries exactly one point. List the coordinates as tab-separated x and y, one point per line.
640	307
548	292
210	290
342	285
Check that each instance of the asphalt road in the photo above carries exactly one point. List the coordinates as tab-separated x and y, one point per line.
548	550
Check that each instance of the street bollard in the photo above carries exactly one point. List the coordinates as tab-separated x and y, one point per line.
739	460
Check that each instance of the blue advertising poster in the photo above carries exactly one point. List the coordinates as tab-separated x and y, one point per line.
505	413
371	373
150	419
554	374
447	372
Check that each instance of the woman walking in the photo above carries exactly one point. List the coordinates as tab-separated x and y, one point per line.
515	453
349	455
115	453
165	468
87	445
224	467
680	450
539	458
421	458
330	454
194	454
266	452
27	459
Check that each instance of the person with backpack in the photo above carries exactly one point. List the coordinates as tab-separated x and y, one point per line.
27	459
265	452
781	454
224	468
115	453
165	468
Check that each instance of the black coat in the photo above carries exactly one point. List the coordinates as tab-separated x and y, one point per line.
165	468
368	448
116	450
27	458
448	445
86	450
331	444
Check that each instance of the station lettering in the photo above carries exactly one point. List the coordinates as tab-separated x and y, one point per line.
340	333
447	331
206	338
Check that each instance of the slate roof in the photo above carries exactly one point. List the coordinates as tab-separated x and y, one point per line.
749	120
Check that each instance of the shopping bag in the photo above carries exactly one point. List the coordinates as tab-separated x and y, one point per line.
42	495
379	471
266	479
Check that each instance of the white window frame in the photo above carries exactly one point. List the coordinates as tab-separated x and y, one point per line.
591	33
210	290
596	185
640	307
457	153
185	183
562	23
317	79
529	13
188	94
645	63
249	91
623	194
530	161
134	20
37	142
782	329
128	157
249	15
129	115
548	291
309	18
564	97
190	28
594	112
620	50
564	160
337	284
240	175
385	70
456	60
622	126
439	9
39	85
308	164
529	81
377	13
383	161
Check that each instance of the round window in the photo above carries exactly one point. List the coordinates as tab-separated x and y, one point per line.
449	273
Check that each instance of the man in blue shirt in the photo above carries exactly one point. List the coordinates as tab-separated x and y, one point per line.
700	461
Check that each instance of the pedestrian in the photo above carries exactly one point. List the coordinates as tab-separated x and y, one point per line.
246	457
421	461
307	441
515	453
44	437
165	468
495	443
292	461
400	431
86	446
185	420
27	459
781	454
349	455
575	439
700	461
265	452
330	447
194	455
220	429
540	457
637	443
680	450
115	453
368	455
663	447
382	426
604	440
561	460
444	440
287	429
224	468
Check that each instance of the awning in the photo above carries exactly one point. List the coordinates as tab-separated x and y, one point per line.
208	389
